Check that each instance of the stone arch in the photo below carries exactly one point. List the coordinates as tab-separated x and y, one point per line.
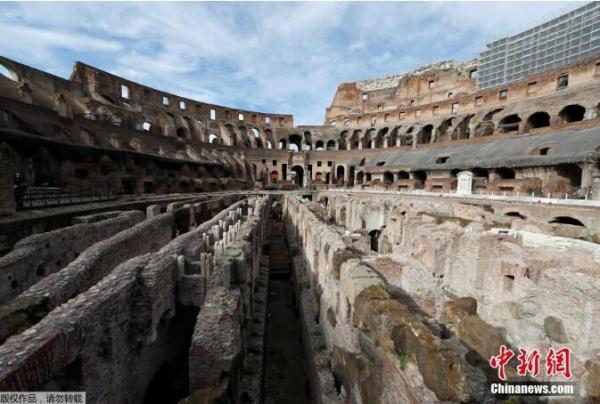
538	119
331	145
571	172
572	113
510	123
403	175
340	174
379	138
425	134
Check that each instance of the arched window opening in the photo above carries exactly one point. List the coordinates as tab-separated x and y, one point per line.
319	145
510	123
339	175
425	135
331	145
374	236
274	177
212	138
505	173
388	177
282	144
295	140
538	120
420	176
571	172
256	133
403	175
360	177
181	133
480	172
566	220
298	176
572	113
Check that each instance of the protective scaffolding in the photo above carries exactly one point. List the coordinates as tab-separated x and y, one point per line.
561	41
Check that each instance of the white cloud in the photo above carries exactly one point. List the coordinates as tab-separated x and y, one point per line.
272	57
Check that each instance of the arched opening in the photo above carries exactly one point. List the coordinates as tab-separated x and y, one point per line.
421	177
351	176
480	172
538	120
572	113
374	236
425	135
572	172
319	178
388	177
343	139
295	140
360	177
255	133
339	175
212	138
331	145
274	177
403	175
269	145
181	133
379	139
298	175
308	146
505	173
567	220
510	123
319	145
282	144
515	214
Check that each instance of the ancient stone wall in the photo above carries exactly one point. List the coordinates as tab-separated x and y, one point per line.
362	324
40	255
114	339
533	282
97	261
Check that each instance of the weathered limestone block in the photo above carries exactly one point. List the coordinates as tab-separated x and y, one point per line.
216	342
392	327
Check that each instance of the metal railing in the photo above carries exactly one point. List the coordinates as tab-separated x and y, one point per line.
42	197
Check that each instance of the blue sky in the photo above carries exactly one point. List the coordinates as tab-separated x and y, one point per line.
269	57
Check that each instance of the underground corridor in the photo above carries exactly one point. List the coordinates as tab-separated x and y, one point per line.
285	370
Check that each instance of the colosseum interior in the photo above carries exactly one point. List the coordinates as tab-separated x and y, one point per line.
166	250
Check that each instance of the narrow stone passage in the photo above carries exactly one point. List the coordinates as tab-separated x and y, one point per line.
285	373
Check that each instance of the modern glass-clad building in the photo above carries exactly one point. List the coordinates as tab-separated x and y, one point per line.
561	41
